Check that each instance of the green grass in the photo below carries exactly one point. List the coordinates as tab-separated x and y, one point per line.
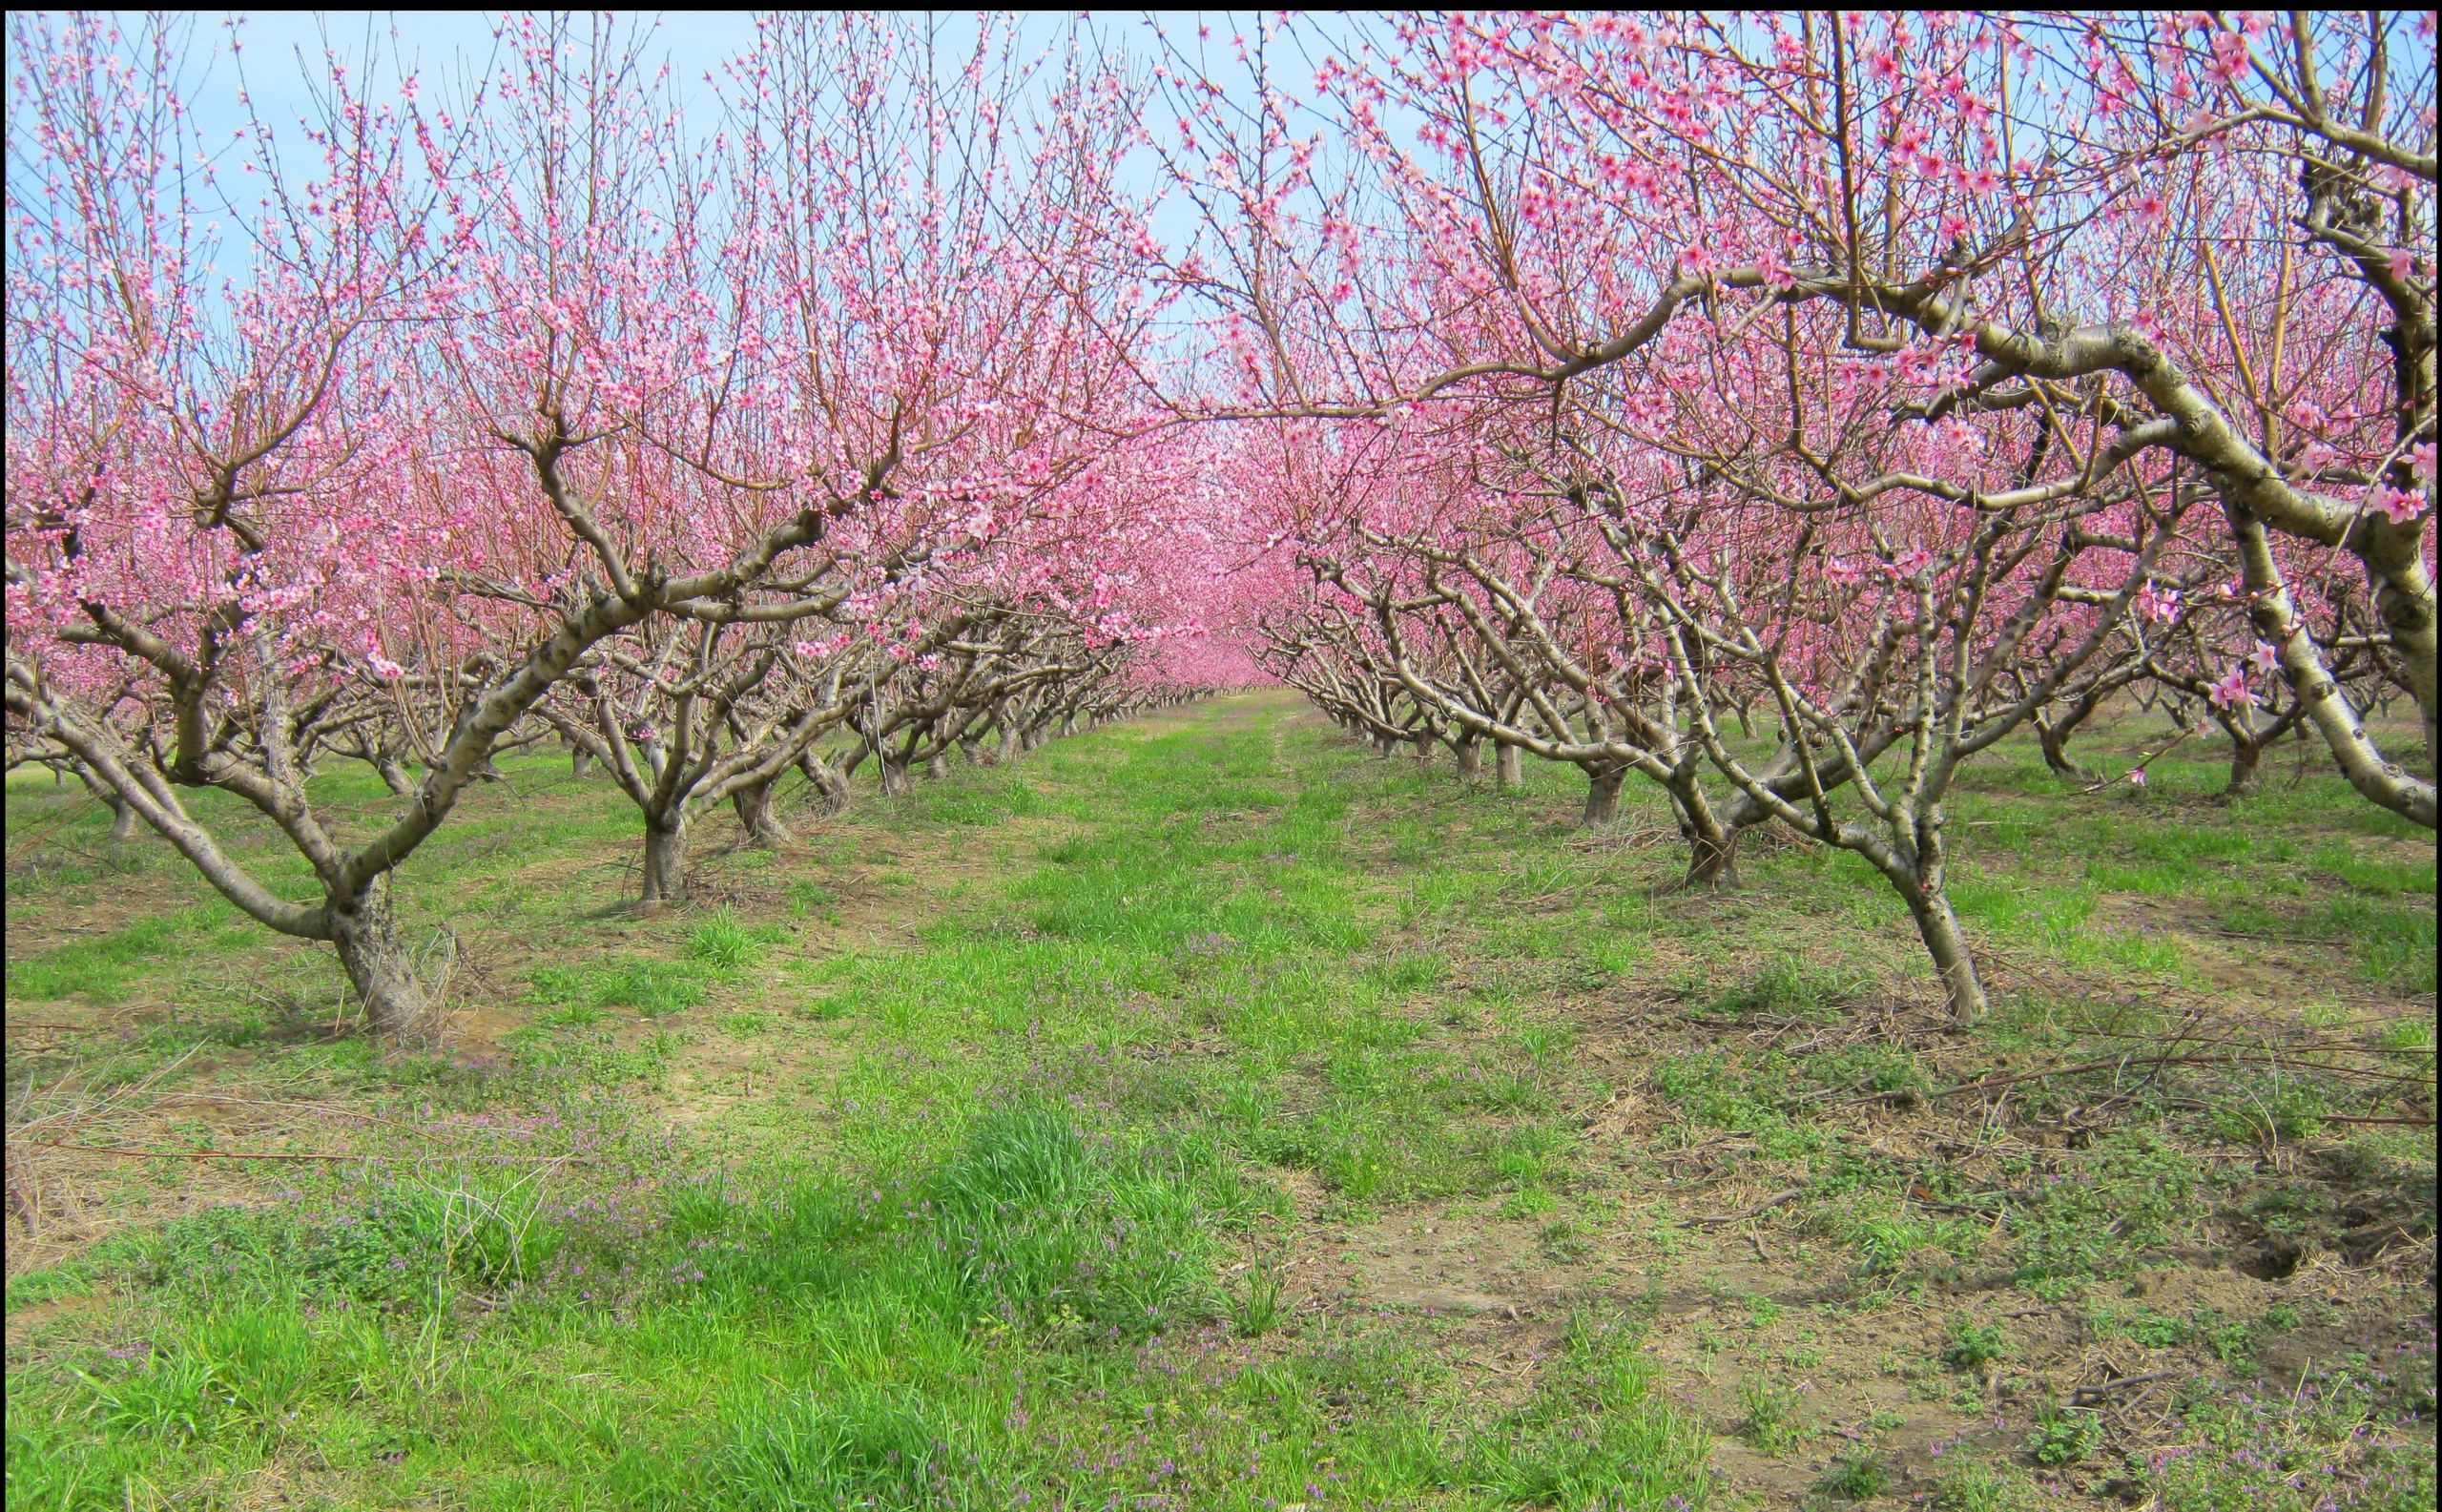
1060	1135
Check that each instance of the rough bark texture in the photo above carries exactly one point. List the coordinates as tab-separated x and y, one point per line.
1939	929
1712	860
665	862
378	965
754	804
580	761
1469	754
893	779
1508	767
1602	798
831	789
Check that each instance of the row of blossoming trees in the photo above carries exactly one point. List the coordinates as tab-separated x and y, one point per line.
521	408
1785	410
1782	410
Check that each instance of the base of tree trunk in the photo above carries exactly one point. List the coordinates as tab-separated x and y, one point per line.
665	879
1712	864
1602	799
1953	961
397	1004
763	827
394	776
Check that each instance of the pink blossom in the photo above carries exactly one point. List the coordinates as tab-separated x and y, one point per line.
2398	506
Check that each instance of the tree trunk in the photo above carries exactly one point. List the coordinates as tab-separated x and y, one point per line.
1383	745
970	750
937	766
1939	929
1468	752
894	777
1031	740
1603	798
1508	769
2052	738
1007	751
122	812
580	760
754	804
378	966
665	862
831	789
1068	726
394	776
1424	750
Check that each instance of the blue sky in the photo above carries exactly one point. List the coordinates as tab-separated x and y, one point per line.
437	45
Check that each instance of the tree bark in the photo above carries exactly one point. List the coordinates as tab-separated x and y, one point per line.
394	776
1602	797
580	760
1939	928
1468	753
665	862
122	812
378	965
2052	735
1508	767
894	777
763	826
831	790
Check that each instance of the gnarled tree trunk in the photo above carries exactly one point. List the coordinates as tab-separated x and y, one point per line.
1508	769
831	789
365	930
1467	751
753	805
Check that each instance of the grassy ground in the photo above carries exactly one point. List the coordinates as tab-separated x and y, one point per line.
1201	1113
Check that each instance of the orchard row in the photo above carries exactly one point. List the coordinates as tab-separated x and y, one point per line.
1783	410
